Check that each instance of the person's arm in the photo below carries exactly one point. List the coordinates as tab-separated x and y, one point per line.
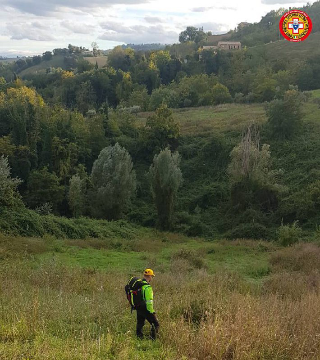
148	295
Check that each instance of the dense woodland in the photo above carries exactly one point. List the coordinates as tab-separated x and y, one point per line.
82	141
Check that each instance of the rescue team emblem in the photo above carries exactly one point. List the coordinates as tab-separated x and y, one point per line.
295	25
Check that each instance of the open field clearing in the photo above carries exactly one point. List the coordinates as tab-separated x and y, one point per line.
209	119
215	300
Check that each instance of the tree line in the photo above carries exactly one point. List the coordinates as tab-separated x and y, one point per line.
106	165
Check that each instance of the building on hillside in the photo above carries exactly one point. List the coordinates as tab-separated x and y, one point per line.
222	45
229	45
209	47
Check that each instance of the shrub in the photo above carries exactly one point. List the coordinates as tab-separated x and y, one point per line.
9	195
220	94
161	96
252	230
194	259
289	234
45	209
285	116
300	257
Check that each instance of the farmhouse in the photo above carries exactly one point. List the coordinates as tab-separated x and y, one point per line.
223	45
229	45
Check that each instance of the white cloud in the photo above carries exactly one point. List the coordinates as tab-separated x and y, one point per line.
209	8
22	31
282	2
44	25
153	19
40	7
139	34
77	28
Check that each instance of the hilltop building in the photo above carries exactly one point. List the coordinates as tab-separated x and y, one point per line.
223	45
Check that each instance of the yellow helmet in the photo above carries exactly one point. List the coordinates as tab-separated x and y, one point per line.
149	272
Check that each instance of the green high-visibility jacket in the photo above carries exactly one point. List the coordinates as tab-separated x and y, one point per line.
147	294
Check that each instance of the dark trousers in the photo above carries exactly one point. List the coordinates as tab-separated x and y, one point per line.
142	315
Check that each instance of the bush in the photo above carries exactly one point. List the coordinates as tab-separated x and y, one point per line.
194	259
220	94
300	257
252	230
27	222
292	286
161	96
9	195
285	116
188	224
289	234
193	313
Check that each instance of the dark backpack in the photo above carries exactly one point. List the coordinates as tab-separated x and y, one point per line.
134	293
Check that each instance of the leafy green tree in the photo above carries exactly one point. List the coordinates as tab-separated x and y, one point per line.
95	48
21	110
21	163
84	65
77	195
86	97
253	181
114	182
36	59
220	94
146	74
3	83
192	34
44	187
64	156
285	116
165	178
163	95
139	97
124	87
121	59
193	89
161	128
47	56
9	195
6	147
266	90
168	67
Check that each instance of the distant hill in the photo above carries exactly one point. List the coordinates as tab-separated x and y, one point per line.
287	50
7	60
267	29
56	62
144	47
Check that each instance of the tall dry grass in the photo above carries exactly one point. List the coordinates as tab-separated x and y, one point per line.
48	311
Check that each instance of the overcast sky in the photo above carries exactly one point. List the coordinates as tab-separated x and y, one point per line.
32	26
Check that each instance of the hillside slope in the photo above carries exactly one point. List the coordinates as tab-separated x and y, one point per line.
290	51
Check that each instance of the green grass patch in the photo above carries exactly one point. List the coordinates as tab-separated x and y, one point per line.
212	119
130	256
55	62
287	50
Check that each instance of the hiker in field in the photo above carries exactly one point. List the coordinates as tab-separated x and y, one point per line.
140	296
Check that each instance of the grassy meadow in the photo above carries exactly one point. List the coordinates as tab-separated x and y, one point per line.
62	280
287	50
211	119
56	62
64	299
100	60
